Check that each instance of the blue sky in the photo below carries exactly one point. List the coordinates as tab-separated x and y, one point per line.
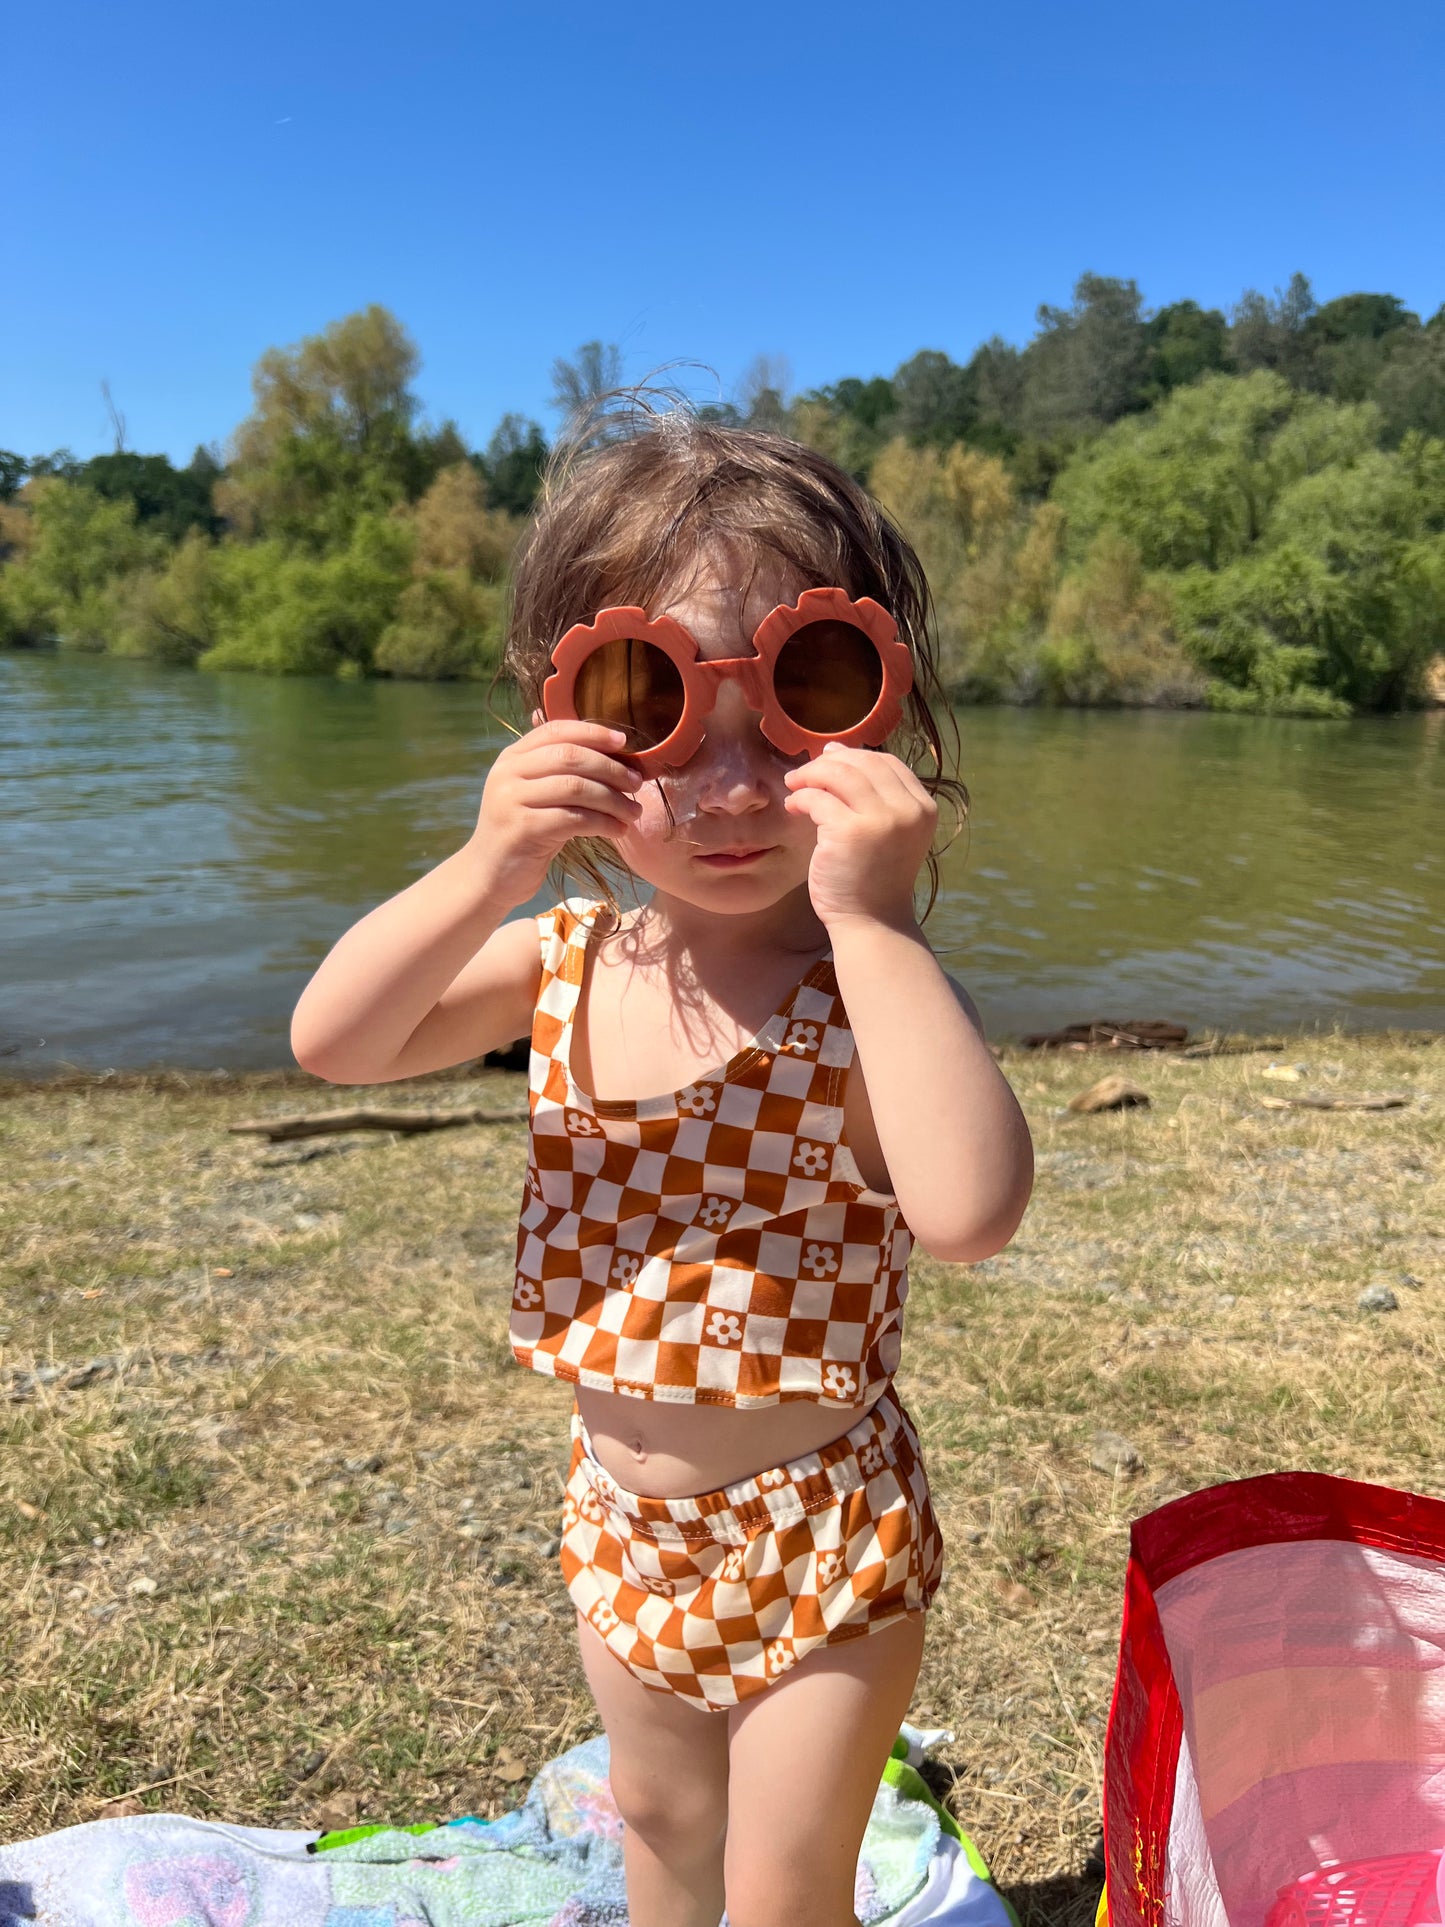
835	184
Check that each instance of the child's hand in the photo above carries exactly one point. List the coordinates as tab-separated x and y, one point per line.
558	781
875	822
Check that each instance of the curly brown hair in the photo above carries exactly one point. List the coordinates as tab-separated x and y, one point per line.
630	519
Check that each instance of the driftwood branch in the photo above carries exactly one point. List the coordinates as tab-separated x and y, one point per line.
1319	1101
1139	1033
364	1118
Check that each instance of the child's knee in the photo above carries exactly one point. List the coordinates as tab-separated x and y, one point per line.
677	1817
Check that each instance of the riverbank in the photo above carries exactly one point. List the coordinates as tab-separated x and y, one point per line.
277	1511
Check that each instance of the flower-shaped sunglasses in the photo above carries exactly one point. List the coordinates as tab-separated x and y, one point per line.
825	669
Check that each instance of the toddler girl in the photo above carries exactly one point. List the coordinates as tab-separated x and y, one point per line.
751	1092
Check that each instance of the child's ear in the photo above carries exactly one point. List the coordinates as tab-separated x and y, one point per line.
538	719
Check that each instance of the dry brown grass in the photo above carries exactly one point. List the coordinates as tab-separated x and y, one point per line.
284	1553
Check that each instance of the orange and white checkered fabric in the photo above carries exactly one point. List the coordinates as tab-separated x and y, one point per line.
715	1597
716	1245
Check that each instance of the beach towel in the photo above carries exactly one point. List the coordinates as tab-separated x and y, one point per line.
554	1862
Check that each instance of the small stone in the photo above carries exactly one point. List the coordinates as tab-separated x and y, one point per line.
1013	1597
1224	1299
1114	1454
307	1220
551	1548
143	1587
1407	1279
339	1811
1377	1298
1284	1073
1109	1094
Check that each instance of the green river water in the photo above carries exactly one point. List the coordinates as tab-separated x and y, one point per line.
177	851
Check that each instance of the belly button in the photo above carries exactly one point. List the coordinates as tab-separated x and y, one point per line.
638	1449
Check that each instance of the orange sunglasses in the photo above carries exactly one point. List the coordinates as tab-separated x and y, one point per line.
826	669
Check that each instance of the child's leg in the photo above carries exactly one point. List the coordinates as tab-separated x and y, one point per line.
806	1759
669	1776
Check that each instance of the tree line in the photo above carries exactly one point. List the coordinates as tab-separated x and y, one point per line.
1179	506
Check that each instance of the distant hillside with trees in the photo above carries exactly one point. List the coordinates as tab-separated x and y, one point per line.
1176	507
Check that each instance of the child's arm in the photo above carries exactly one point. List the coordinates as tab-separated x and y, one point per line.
434	976
951	1132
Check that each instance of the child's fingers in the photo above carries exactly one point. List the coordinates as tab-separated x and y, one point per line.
839	775
601	735
577	792
819	806
591	823
559	759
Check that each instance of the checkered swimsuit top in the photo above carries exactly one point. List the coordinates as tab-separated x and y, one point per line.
714	1246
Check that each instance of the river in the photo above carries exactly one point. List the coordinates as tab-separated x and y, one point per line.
178	850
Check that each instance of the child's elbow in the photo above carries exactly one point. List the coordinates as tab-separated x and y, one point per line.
970	1241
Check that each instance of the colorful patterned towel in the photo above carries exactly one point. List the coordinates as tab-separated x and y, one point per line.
555	1862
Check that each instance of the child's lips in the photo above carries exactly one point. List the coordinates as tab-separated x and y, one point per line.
733	859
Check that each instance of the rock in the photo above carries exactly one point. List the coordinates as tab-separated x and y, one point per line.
1377	1298
1114	1454
1012	1596
142	1588
506	1766
339	1811
1109	1094
1284	1073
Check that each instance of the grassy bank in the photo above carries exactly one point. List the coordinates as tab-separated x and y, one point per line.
277	1512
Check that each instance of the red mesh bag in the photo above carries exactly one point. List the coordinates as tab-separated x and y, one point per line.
1276	1749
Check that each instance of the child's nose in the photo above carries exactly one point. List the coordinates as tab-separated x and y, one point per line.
737	768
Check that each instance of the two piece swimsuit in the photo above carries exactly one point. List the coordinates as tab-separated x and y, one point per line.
717	1245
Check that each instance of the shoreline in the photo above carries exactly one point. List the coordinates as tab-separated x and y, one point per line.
193	1080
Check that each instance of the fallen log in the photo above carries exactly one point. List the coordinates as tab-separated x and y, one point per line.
1140	1033
1321	1101
364	1118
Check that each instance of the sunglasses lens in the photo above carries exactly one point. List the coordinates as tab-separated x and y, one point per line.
632	686
827	677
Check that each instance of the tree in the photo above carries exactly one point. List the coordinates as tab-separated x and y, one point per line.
1185	342
13	470
996	371
513	464
1088	362
1274	334
331	436
455	529
74	545
1409	389
762	394
169	499
581	389
934	399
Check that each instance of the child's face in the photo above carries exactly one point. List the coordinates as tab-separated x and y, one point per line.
715	832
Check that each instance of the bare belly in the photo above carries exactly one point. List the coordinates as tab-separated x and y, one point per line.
666	1451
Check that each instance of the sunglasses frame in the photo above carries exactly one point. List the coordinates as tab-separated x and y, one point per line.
753	674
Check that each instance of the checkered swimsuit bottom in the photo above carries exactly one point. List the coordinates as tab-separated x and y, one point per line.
714	1597
716	1245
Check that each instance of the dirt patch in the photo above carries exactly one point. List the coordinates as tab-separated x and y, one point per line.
278	1515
